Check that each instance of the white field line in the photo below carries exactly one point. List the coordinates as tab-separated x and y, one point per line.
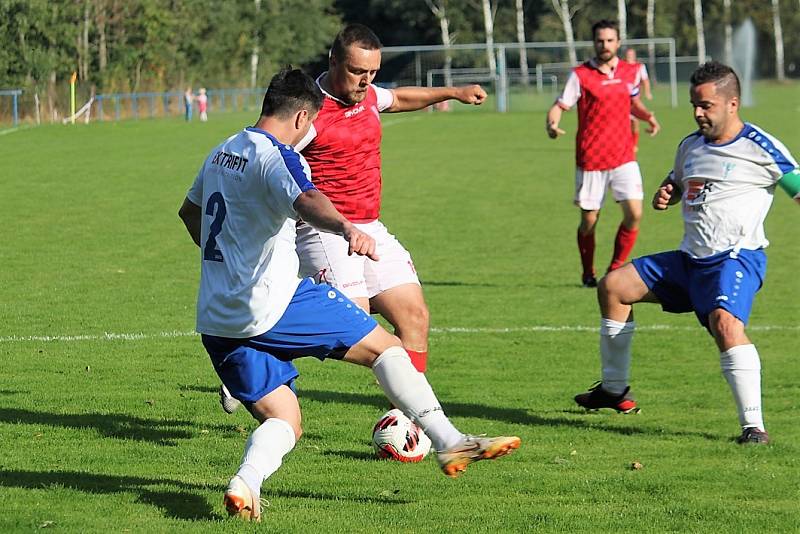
137	336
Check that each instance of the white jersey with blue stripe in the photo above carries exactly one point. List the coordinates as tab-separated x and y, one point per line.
246	190
728	189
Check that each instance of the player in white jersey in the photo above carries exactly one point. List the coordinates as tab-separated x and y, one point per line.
254	313
725	174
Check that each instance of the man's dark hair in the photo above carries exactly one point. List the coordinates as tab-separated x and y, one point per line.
604	24
354	34
721	75
290	91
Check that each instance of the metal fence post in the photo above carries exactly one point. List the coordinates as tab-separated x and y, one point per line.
502	80
16	116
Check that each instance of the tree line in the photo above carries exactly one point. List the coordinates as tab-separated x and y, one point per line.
158	45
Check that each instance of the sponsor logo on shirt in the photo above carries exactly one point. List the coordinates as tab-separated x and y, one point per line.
229	161
353	112
698	189
612	81
696	193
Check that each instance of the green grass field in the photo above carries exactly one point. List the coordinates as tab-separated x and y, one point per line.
108	414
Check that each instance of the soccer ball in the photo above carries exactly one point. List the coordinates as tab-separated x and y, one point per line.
396	437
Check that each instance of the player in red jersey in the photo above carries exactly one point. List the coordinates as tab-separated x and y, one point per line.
644	79
343	151
607	93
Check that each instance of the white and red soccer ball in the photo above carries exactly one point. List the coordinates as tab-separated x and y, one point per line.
397	437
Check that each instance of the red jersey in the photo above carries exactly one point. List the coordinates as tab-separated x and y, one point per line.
604	139
345	154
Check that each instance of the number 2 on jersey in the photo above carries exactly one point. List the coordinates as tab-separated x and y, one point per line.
211	252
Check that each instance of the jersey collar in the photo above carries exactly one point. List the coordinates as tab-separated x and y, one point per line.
326	93
271	137
596	66
746	129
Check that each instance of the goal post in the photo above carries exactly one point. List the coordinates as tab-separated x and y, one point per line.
514	84
84	112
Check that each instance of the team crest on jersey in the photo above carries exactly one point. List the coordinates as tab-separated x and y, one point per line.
727	167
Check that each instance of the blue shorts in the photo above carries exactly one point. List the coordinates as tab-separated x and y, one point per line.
726	280
319	322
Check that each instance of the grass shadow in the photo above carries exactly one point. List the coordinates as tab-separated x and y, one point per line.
390	498
362	456
508	415
119	426
455	283
178	504
200	389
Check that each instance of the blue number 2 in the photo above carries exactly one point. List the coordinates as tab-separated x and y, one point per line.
211	252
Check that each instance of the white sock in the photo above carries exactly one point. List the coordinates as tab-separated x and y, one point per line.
264	452
615	354
741	367
409	390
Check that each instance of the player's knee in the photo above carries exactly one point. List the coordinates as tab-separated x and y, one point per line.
631	220
420	317
608	288
587	226
413	321
725	327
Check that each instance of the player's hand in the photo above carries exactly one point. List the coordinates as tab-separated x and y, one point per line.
654	127
553	130
471	94
649	96
359	243
661	200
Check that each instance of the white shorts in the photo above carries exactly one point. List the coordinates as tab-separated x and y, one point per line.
624	181
324	257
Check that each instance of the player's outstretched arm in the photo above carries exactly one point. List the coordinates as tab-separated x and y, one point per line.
668	193
318	211
190	213
552	120
414	98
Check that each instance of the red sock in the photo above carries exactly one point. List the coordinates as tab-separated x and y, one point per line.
623	244
586	248
419	359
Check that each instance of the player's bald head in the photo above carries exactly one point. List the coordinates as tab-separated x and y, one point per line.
353	34
722	76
